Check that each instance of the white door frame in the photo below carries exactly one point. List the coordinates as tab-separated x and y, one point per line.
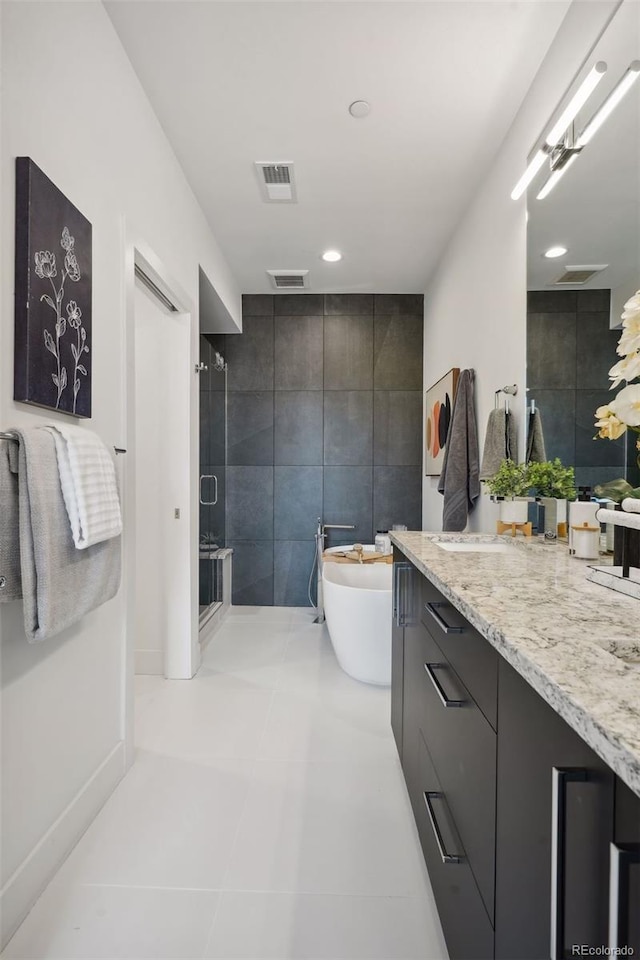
182	653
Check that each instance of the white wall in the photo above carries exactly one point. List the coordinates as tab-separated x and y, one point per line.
475	304
71	101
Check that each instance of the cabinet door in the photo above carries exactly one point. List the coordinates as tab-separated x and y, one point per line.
624	876
554	827
397	649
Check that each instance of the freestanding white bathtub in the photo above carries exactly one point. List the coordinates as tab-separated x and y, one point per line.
357	607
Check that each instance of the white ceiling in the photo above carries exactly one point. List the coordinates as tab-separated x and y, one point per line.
594	211
236	82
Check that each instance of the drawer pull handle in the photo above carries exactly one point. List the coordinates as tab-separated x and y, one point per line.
430	795
432	609
621	858
444	700
561	776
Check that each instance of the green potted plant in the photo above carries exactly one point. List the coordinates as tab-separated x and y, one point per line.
510	482
554	484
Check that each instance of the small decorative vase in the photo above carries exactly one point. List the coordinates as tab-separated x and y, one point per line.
514	511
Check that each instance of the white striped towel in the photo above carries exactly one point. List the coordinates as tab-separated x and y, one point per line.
89	487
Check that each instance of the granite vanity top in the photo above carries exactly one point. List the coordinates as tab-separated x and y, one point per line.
557	629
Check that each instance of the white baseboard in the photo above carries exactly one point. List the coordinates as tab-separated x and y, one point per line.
149	662
26	884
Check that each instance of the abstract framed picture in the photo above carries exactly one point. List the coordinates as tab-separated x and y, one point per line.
440	399
52	353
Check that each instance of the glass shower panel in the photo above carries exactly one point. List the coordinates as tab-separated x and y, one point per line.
213	444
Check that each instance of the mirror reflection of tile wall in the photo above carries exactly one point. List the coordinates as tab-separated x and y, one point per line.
570	348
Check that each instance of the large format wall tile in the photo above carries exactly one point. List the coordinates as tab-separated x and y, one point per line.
298	427
348	353
249	355
250	503
397	352
551	301
397	430
257	305
594	301
397	497
250	428
348	427
558	415
302	397
398	304
348	304
299	305
551	350
348	498
596	349
297	502
252	572
299	361
292	563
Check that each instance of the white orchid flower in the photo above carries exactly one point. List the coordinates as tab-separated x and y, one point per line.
627	369
626	405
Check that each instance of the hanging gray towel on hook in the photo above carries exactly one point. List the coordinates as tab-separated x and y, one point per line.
500	442
536	452
60	584
10	576
459	481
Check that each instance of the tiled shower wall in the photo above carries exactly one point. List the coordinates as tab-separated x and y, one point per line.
324	420
570	350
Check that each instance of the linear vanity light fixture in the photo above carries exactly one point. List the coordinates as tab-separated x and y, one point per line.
558	173
623	86
562	124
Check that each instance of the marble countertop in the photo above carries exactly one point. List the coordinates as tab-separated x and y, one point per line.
557	629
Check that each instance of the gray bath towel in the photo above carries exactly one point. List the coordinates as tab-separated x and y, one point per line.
459	480
10	577
536	452
500	442
59	583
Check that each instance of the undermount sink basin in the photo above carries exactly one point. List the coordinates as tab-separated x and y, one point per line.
470	546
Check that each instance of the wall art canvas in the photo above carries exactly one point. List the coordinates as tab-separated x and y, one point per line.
52	358
440	399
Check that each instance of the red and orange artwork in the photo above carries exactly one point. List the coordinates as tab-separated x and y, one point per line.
440	399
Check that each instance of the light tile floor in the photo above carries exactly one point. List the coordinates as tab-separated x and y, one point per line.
265	817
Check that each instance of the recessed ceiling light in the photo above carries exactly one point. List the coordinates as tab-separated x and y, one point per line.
360	109
332	256
555	252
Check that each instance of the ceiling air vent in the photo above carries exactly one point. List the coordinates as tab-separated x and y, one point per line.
277	183
580	274
288	279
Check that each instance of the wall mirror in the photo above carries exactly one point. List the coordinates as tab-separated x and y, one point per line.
594	213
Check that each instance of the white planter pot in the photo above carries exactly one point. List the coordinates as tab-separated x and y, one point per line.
514	511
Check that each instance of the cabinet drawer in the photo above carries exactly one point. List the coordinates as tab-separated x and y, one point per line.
463	748
473	658
465	922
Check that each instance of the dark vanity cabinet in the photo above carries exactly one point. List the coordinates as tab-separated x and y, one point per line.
554	826
624	872
531	844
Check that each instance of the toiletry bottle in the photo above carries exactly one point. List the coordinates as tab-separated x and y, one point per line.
383	542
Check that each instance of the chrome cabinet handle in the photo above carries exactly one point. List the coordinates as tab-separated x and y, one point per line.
432	609
399	594
560	777
621	856
209	476
444	700
430	795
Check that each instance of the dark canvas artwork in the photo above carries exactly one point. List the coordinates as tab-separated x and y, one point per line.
52	365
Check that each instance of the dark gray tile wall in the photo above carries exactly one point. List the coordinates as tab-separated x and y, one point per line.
570	350
324	420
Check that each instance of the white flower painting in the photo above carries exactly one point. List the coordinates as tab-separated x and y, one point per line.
53	296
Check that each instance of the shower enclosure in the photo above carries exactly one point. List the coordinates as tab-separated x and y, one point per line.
214	565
